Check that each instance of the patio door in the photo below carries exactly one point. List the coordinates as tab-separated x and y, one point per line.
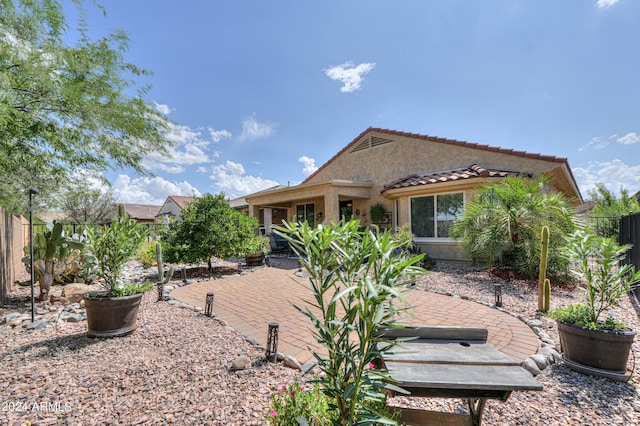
346	209
306	213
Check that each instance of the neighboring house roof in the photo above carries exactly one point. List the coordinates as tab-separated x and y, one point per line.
181	201
51	216
473	171
586	207
239	203
141	211
637	195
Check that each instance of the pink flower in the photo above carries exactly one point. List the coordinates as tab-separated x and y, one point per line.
293	393
283	388
371	366
273	413
351	376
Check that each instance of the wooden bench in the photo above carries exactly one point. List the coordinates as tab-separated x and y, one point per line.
452	362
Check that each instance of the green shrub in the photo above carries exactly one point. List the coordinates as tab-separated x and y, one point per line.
147	255
133	288
295	401
356	285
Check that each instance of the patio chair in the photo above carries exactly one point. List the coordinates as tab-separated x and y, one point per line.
278	246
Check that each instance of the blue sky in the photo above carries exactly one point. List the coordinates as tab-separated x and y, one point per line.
264	92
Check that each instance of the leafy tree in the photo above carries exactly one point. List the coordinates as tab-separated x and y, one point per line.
211	227
503	221
608	209
64	106
83	204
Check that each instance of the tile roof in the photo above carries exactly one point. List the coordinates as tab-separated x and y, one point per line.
180	200
473	171
142	211
466	144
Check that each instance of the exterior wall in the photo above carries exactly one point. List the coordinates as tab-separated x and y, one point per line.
13	238
170	207
406	155
443	251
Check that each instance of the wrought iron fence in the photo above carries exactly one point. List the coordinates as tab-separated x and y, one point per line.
154	229
630	234
605	226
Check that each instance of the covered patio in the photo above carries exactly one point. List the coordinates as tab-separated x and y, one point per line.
312	202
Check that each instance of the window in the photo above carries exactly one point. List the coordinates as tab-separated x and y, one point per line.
433	215
306	212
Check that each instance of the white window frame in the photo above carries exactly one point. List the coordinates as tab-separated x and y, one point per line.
435	215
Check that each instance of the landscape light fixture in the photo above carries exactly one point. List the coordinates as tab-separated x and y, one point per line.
272	342
497	290
31	192
160	285
208	305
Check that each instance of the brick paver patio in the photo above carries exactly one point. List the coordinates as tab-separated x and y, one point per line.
248	302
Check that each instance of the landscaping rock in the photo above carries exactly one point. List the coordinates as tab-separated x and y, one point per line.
541	360
531	366
291	362
240	363
74	291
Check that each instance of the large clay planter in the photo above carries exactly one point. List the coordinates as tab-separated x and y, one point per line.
111	316
604	350
255	259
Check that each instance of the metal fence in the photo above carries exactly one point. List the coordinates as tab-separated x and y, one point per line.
605	226
154	229
630	234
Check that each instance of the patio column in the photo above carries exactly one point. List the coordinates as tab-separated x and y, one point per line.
268	219
331	205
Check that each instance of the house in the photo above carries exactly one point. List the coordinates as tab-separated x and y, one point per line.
421	180
142	213
172	208
266	216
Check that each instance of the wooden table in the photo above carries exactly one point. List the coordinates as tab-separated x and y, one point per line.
453	362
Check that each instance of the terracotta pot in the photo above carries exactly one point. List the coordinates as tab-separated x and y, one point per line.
605	350
111	316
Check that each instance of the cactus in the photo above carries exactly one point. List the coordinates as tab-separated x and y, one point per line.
547	294
122	212
161	277
51	249
544	285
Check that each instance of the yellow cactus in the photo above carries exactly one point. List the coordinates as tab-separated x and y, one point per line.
543	294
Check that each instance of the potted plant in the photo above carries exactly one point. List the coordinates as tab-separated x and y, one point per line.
256	250
377	213
591	343
114	311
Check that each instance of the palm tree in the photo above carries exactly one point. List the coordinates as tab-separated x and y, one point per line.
503	221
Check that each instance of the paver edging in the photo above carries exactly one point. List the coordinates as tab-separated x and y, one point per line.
547	348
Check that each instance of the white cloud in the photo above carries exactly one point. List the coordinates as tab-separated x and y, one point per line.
309	165
150	190
629	139
191	147
162	108
595	143
253	130
605	4
230	178
218	135
613	175
350	76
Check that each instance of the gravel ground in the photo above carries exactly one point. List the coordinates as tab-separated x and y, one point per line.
175	369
